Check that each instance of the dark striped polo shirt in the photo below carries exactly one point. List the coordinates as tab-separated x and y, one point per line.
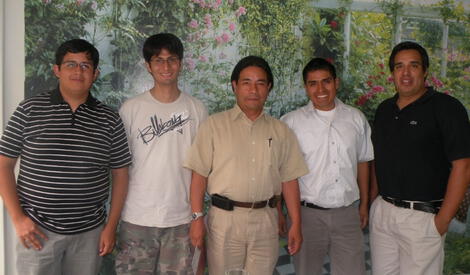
66	157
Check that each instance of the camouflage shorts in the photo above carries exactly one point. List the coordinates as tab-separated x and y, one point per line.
152	250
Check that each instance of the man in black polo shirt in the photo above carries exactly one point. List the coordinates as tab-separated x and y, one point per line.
422	157
68	142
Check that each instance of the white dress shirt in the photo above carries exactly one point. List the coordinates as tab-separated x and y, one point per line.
333	144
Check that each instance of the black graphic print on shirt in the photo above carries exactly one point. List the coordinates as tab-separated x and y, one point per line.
158	127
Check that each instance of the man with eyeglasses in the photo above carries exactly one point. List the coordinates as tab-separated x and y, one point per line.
68	142
160	123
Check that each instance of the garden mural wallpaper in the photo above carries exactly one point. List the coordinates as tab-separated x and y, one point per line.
356	36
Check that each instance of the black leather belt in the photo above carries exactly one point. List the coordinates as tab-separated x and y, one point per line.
311	205
228	204
428	207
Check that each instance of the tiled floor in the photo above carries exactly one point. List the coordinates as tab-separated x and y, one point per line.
285	267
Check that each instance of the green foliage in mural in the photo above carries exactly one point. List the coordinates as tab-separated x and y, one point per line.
47	25
272	30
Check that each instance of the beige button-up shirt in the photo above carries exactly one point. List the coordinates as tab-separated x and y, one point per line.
245	160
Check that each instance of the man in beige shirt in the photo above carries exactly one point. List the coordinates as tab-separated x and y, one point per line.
245	158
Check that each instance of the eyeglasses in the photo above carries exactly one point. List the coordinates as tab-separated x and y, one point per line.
71	65
171	61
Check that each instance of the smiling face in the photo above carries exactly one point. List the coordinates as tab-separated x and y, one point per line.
409	74
320	87
164	68
76	74
251	90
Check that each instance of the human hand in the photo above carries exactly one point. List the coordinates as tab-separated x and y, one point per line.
363	215
441	225
197	232
107	240
29	233
294	241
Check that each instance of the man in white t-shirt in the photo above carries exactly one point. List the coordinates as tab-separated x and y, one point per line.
160	125
335	141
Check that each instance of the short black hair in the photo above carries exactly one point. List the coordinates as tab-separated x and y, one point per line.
77	46
409	45
249	61
157	42
318	64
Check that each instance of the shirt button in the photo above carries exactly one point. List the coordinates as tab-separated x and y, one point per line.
396	117
253	179
253	142
333	143
334	161
336	180
253	160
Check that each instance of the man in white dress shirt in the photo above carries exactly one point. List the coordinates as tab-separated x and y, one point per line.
335	141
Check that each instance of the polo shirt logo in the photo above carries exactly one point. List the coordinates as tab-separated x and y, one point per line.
413	122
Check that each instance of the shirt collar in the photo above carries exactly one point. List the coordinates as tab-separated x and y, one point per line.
423	98
236	113
56	98
311	109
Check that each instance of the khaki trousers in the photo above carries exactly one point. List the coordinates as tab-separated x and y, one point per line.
404	241
242	238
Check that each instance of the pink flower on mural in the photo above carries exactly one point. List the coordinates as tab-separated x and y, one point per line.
230	2
362	100
203	58
447	92
369	83
79	2
378	89
193	24
219	39
330	60
390	79
381	65
333	24
94	5
217	4
225	37
232	26
436	82
190	64
208	20
241	11
222	55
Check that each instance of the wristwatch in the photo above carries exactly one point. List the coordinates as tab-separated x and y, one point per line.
196	215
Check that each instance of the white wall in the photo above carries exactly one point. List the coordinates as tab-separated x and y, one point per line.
12	76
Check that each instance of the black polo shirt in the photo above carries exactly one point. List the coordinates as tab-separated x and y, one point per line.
414	147
66	157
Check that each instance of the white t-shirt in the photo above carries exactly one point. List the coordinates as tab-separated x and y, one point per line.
333	144
159	136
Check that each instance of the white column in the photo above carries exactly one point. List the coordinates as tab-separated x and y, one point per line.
445	40
347	44
2	216
12	92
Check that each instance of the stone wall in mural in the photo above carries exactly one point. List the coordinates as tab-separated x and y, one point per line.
216	33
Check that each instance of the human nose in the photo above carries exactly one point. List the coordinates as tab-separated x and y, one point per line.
253	88
406	70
